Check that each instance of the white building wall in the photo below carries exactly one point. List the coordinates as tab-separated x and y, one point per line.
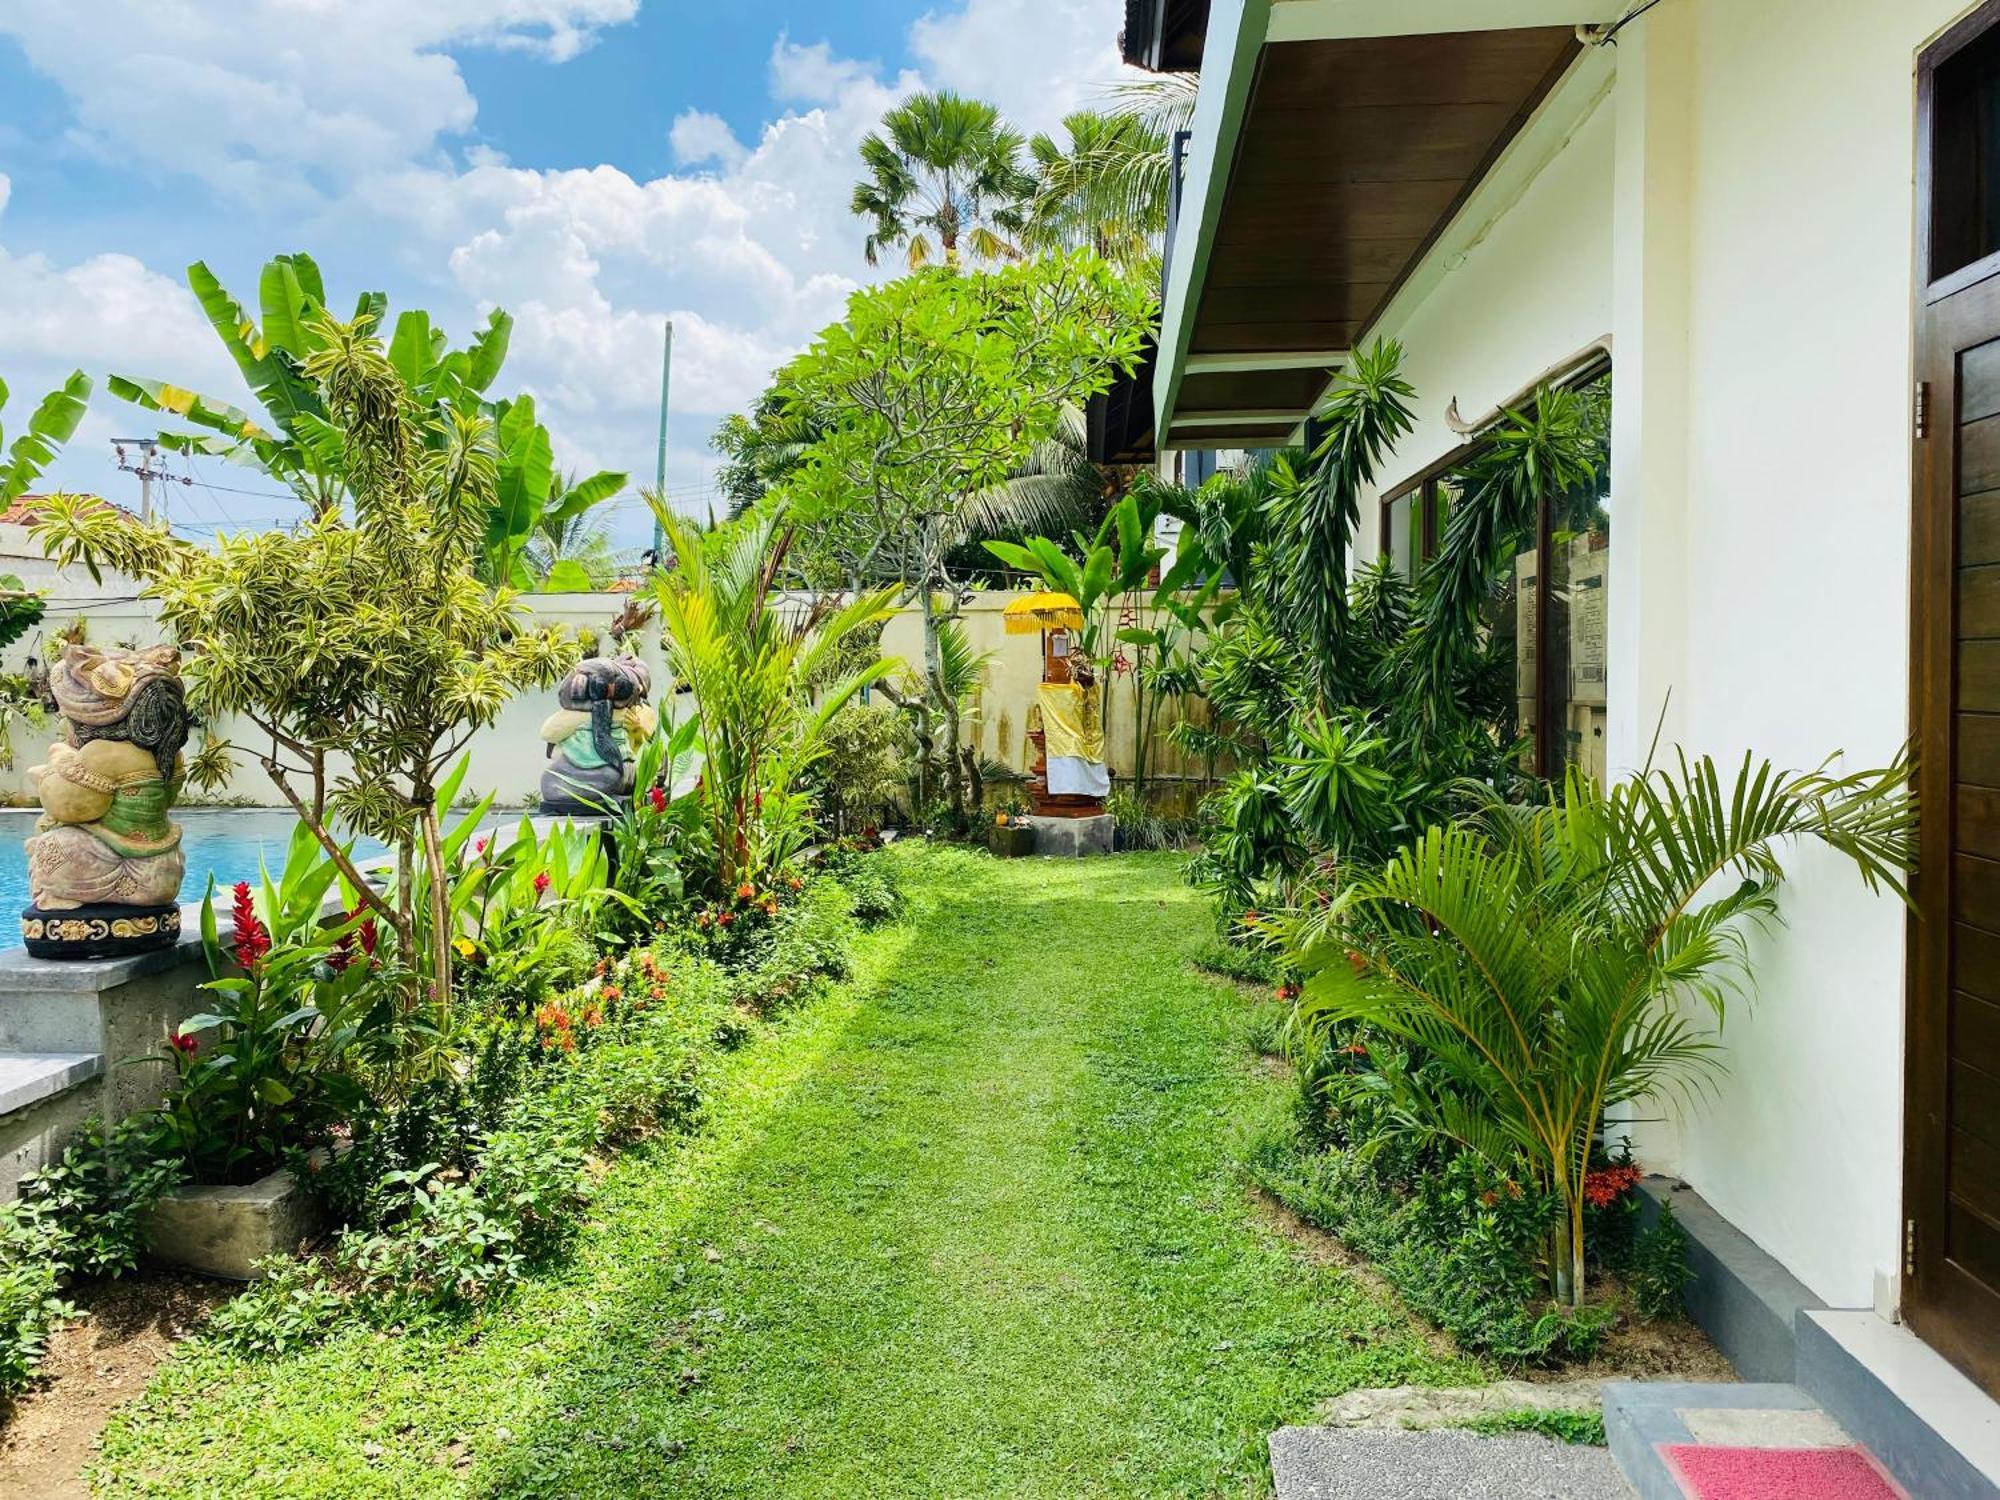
1738	215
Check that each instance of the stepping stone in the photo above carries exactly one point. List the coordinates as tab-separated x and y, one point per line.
1326	1463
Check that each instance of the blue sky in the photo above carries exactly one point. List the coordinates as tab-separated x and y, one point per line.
594	166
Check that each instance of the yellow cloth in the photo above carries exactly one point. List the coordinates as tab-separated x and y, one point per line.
1070	724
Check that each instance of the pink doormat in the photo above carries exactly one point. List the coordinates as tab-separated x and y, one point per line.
1713	1473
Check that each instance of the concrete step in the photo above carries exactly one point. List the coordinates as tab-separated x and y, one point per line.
28	1078
1676	1441
1936	1431
1333	1463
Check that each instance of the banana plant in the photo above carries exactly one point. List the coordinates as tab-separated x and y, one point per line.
50	425
296	445
1117	560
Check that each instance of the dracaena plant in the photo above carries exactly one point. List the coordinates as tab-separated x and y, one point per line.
1544	964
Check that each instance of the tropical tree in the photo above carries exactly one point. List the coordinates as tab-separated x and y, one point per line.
934	389
1527	968
1095	188
52	423
946	166
298	445
363	633
756	675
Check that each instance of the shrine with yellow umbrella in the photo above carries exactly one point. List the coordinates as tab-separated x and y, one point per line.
1068	780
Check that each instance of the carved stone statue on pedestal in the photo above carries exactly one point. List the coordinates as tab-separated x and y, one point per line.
105	863
602	721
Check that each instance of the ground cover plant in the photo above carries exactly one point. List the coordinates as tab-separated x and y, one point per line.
963	1224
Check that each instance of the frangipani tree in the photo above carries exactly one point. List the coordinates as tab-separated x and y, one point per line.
929	393
360	644
298	444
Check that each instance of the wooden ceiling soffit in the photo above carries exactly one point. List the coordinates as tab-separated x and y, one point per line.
1353	157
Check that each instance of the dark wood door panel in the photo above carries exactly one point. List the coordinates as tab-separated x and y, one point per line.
1979	602
1975	892
1975	1104
1975	963
1979	677
1979	382
1975	1035
1979	529
1979	456
1974	1244
1976	1168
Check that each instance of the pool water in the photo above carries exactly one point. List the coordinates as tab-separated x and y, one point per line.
225	842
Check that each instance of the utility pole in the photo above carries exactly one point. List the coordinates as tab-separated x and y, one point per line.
149	449
660	466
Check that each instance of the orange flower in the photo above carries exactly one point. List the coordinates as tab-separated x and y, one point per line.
745	891
612	992
593	1017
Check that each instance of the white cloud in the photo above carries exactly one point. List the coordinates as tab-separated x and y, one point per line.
749	247
699	137
284	98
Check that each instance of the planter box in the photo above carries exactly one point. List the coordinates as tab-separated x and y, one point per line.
1011	840
225	1231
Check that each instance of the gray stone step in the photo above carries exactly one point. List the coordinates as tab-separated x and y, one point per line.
1643	1420
27	1078
1331	1463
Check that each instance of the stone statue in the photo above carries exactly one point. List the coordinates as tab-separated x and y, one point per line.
105	864
602	721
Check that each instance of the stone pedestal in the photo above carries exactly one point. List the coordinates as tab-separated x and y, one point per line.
1071	838
65	1028
226	1231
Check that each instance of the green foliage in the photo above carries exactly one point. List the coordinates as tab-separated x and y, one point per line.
83	1216
364	631
1659	1273
750	669
1543	964
309	452
1103	185
52	423
947	166
864	770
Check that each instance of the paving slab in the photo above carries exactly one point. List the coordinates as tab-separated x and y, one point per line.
1324	1463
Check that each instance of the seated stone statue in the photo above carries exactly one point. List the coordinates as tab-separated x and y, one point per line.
602	721
105	864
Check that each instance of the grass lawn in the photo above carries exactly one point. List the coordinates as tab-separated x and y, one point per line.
969	1225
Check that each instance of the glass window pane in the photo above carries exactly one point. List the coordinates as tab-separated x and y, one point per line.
1580	528
1404	537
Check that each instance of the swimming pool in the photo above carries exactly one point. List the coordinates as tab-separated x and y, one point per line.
227	842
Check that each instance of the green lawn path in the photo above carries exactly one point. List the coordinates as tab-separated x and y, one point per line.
969	1225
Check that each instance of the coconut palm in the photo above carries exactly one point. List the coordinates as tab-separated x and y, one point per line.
1104	187
947	166
1536	966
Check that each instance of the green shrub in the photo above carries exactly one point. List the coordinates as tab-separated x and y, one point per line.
1236	961
83	1216
1659	1271
1467	1264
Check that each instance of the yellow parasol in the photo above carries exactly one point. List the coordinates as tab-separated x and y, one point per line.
1033	613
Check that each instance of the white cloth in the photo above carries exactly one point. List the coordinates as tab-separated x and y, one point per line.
1073	776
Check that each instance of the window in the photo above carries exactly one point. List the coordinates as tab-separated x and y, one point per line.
1965	156
1549	622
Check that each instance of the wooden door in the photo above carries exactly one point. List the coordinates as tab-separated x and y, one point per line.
1951	1292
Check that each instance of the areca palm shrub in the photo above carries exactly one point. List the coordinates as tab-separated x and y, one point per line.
761	694
1539	965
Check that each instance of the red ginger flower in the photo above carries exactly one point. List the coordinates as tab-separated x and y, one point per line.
253	939
658	797
1607	1185
541	881
745	891
183	1043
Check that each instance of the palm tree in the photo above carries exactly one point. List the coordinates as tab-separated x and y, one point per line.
1104	188
1535	966
758	678
947	166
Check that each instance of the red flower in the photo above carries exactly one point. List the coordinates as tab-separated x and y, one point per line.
479	847
253	939
342	954
183	1043
745	891
1607	1185
541	881
793	883
725	919
658	797
370	936
612	992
